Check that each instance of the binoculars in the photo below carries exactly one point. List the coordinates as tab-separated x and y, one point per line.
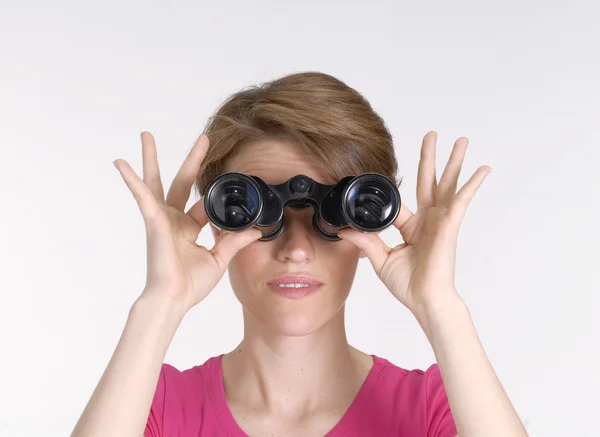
369	202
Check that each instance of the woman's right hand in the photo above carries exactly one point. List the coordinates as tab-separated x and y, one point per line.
177	267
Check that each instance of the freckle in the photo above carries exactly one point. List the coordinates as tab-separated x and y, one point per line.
287	399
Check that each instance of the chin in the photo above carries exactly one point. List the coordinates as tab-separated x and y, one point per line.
294	318
294	325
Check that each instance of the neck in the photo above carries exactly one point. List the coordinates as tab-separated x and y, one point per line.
284	374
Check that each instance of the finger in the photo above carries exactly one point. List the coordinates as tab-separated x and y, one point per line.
426	175
370	243
465	194
198	212
145	199
179	192
449	179
151	171
230	243
403	216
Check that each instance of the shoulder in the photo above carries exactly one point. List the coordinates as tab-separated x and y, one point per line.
420	395
172	374
404	380
182	398
188	384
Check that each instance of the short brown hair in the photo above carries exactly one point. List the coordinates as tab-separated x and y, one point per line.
322	114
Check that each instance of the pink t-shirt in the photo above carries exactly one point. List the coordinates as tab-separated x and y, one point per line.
392	402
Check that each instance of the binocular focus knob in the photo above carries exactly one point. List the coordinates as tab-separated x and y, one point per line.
299	184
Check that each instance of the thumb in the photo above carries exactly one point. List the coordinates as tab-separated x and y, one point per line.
369	243
230	243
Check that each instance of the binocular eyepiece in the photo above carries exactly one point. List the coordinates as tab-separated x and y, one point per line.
369	202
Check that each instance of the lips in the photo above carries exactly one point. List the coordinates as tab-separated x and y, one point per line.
295	292
294	279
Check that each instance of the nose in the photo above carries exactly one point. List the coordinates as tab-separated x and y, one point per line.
296	242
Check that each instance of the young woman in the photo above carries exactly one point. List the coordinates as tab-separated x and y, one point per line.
294	373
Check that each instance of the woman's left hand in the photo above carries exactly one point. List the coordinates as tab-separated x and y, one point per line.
420	271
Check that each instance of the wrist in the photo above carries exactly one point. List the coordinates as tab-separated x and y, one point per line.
435	314
162	307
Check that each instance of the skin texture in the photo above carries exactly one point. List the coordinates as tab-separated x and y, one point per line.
267	386
420	274
298	249
294	372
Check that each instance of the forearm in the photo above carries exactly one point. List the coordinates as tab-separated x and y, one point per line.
121	402
478	402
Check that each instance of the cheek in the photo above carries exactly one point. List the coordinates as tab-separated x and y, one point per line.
340	257
241	267
251	256
345	250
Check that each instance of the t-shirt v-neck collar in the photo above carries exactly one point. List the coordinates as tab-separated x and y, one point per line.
216	391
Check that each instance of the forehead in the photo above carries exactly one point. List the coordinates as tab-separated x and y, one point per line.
275	161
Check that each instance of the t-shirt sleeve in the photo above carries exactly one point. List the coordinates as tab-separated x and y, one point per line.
154	425
440	422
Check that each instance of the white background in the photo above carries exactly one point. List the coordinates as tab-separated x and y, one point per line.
81	80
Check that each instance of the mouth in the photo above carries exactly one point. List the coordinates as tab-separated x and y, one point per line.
295	286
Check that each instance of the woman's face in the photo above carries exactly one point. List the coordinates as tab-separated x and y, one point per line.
297	250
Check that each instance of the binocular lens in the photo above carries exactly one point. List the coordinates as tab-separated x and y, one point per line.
370	204
326	228
235	203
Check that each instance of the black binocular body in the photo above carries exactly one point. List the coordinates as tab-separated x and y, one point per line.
369	202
